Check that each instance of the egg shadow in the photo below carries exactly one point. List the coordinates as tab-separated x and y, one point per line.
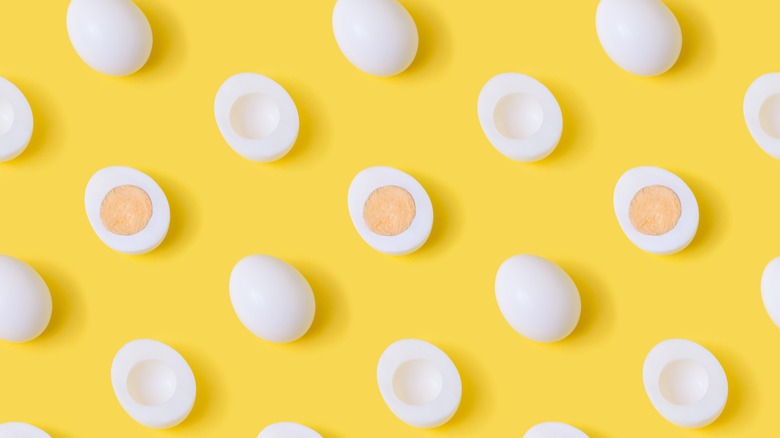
477	396
68	316
447	218
740	396
698	47
185	220
46	122
169	48
598	314
311	113
434	52
210	401
331	317
713	221
575	135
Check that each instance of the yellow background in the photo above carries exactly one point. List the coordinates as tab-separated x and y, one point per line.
487	208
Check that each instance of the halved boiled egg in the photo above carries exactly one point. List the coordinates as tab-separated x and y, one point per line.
762	112
656	210
390	210
127	209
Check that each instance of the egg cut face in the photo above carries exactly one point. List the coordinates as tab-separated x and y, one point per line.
643	37
378	37
271	298
537	298
288	430
390	210
25	301
554	430
127	209
656	210
21	430
112	36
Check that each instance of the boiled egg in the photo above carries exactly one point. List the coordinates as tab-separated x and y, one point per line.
25	301
127	209
762	112
770	290
271	298
685	383
643	37
153	383
21	430
377	36
419	383
16	121
520	117
554	430
656	210
390	210
111	36
256	116
288	430
537	298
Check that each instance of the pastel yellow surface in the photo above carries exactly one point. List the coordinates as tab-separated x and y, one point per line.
487	208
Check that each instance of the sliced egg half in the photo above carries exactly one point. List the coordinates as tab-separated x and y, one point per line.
21	430
762	112
127	209
419	383
656	210
153	383
554	430
390	210
16	121
288	430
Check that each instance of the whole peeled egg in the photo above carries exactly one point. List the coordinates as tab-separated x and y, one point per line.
643	37
271	298
25	301
112	36
377	36
537	298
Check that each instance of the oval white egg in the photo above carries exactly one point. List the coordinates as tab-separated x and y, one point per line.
271	298
153	383
390	210
761	109
520	117
643	37
21	430
685	383
256	117
770	290
25	301
127	209
554	430
111	36
419	383
377	36
656	210
288	430
16	121
537	298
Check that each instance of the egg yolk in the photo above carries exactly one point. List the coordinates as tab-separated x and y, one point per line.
389	211
126	210
655	210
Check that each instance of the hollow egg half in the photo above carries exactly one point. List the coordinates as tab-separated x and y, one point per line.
656	210
25	301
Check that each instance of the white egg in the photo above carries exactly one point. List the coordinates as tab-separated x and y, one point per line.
390	210
537	298
127	209
520	117
21	430
685	383
419	383
656	210
153	383
111	36
762	112
377	36
554	430
271	298
288	430
25	301
256	117
643	37
770	290
16	121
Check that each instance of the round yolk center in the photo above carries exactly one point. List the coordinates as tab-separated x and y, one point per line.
126	210
655	210
389	211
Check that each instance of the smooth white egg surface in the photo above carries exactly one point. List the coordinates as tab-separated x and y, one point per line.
656	210
256	117
761	109
111	36
127	209
390	210
419	383
554	430
271	298
25	301
770	290
16	121
537	298
153	383
643	37
685	383
377	36
288	430
21	430
520	117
